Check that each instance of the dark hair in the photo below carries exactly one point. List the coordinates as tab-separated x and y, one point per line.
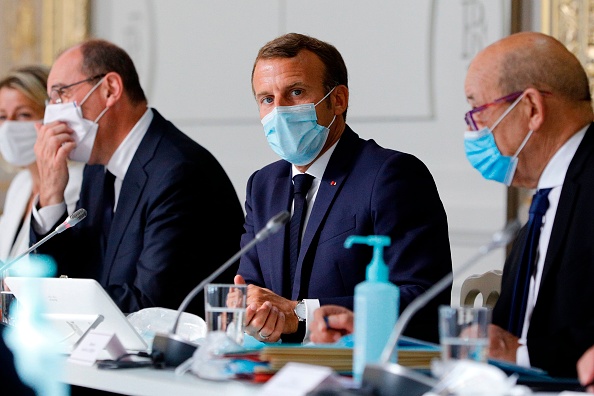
101	57
31	81
290	44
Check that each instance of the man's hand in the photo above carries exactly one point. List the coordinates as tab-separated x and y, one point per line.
268	315
330	323
585	369
502	344
54	144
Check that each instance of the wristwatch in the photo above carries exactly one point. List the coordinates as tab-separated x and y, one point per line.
300	311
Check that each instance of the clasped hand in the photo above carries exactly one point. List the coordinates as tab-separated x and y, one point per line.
268	315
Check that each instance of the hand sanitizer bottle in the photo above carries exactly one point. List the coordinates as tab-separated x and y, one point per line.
376	306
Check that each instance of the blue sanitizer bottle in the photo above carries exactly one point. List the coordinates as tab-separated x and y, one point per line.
377	302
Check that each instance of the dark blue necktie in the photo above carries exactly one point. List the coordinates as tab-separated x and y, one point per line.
539	206
108	200
301	185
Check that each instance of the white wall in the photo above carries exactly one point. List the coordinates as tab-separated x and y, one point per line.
407	61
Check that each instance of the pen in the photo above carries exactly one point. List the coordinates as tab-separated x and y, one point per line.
328	325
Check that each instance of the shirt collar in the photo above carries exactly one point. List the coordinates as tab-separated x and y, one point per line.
318	168
120	160
554	173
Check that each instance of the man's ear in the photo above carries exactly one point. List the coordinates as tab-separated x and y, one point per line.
340	99
536	108
113	88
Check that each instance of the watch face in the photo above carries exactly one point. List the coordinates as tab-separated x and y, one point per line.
300	310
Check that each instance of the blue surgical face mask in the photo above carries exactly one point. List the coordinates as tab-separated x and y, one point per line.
294	133
484	155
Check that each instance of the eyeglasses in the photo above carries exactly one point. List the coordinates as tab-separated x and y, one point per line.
468	117
55	95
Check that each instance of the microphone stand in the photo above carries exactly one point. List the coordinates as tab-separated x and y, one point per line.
70	221
173	348
385	375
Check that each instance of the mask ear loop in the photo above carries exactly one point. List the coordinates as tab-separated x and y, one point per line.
321	100
328	94
91	91
101	115
523	144
510	108
84	99
331	122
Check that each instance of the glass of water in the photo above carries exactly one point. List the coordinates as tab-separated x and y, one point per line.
225	310
464	332
7	306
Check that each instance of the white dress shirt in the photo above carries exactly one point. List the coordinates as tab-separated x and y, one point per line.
552	177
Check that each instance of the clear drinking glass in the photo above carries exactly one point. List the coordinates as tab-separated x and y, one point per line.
463	332
225	306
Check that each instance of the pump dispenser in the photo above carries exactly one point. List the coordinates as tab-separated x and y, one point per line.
377	302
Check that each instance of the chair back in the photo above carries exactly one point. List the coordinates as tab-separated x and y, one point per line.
488	285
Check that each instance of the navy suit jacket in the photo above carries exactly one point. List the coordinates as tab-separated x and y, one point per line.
562	323
177	219
365	190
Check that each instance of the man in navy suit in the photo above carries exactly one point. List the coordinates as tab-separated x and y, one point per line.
531	126
359	188
173	215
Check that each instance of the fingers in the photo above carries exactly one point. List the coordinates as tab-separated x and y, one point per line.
265	323
273	327
52	147
342	322
331	323
238	280
250	311
54	140
257	318
585	369
502	344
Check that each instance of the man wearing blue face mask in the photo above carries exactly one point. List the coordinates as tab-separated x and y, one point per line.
531	127
155	198
352	187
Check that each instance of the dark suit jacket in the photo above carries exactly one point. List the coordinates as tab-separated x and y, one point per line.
562	323
177	219
365	190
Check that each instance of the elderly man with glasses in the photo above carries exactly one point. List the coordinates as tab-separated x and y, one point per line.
531	127
155	198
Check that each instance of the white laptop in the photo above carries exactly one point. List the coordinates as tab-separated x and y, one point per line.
76	306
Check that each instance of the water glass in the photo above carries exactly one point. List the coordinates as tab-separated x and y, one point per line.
464	332
225	306
6	307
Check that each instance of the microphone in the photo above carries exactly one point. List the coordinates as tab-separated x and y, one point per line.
174	349
394	376
70	221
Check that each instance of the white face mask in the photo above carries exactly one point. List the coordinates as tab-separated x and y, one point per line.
85	131
17	139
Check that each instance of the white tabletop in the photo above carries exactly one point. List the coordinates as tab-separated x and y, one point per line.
158	382
150	381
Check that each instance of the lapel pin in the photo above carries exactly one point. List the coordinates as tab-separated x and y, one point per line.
332	183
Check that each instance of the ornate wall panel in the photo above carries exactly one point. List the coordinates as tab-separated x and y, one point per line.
34	31
572	22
